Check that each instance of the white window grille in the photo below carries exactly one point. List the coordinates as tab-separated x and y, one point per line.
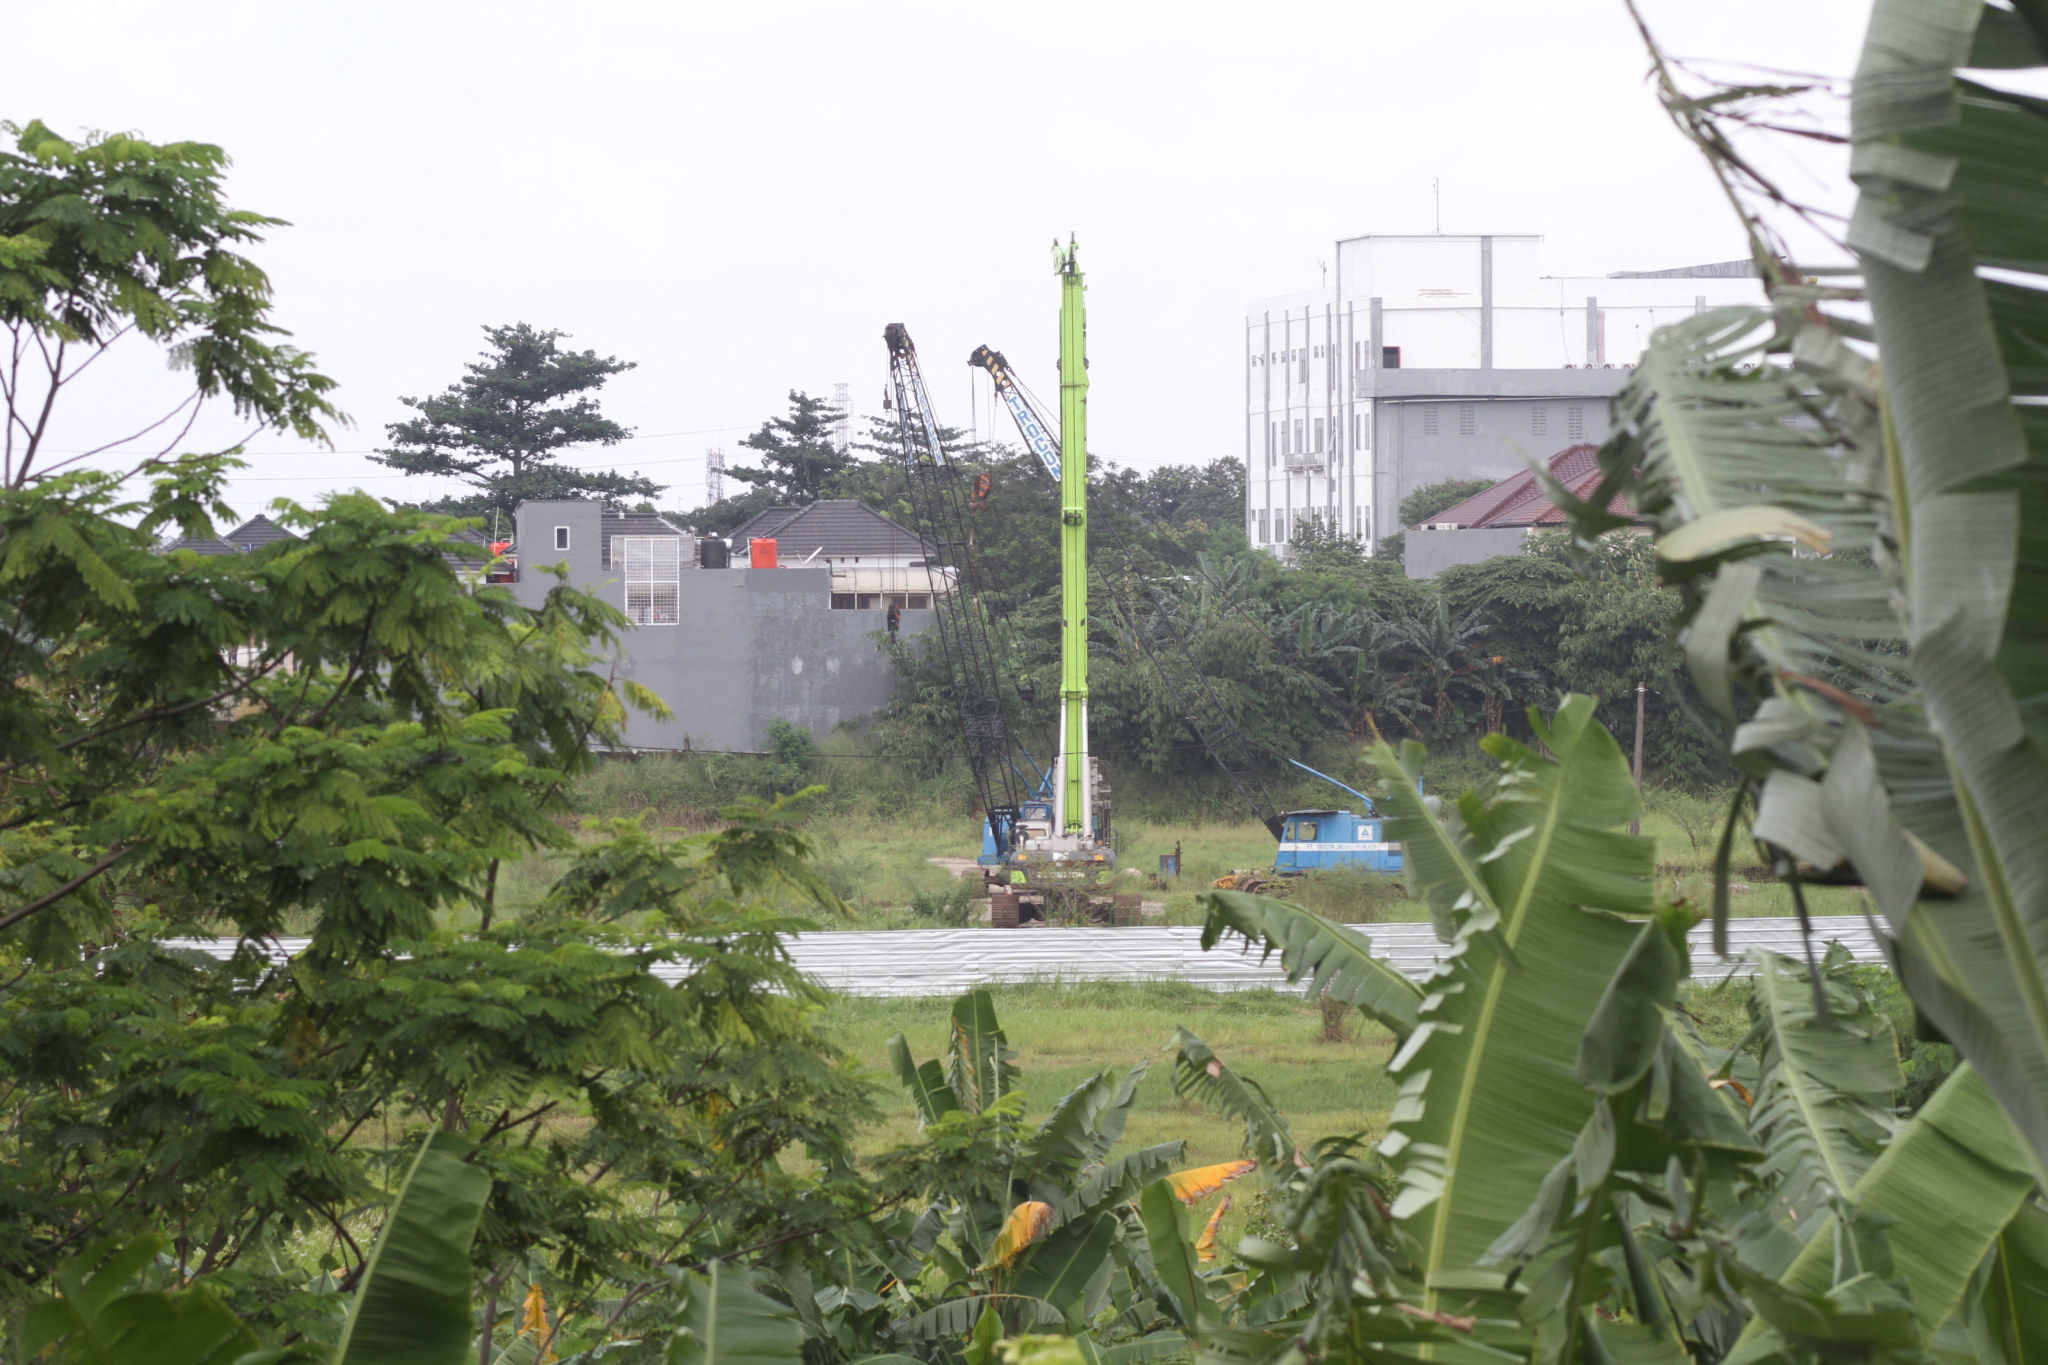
1465	419
1429	420
652	568
1575	422
1539	420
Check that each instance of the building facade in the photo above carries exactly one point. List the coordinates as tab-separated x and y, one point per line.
1433	357
730	650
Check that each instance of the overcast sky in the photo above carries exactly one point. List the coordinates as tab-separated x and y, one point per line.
738	197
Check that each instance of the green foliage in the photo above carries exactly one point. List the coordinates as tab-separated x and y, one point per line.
112	234
800	452
412	1301
396	732
504	425
726	1320
1432	498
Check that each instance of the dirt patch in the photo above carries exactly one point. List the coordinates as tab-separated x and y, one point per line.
959	867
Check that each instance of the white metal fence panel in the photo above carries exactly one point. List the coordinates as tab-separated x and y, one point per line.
913	962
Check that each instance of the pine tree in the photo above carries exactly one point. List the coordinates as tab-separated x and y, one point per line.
801	452
505	424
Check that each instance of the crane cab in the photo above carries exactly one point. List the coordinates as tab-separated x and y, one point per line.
1033	820
1311	840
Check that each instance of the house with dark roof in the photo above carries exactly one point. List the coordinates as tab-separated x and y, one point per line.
1500	520
875	563
257	530
732	648
260	530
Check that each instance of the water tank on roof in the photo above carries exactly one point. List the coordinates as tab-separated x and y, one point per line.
761	552
713	553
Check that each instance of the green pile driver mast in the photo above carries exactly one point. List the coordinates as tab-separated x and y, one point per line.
1077	851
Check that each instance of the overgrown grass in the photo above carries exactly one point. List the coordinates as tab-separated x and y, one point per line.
1064	1033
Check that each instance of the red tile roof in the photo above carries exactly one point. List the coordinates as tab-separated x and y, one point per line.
1520	501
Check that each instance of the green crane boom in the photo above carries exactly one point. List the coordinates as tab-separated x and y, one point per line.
1076	804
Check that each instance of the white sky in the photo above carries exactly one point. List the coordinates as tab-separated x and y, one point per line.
738	197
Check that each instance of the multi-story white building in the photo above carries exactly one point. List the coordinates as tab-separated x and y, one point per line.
1435	357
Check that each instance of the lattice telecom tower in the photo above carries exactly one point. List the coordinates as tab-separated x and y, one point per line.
714	473
842	425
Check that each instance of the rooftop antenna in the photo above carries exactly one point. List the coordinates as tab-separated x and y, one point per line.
1436	187
714	473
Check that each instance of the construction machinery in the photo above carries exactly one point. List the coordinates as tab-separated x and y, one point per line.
1309	840
1046	840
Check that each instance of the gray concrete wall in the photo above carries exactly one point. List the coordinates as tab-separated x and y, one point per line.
1504	405
1425	554
751	646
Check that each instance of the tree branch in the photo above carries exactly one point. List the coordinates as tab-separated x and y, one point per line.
61	892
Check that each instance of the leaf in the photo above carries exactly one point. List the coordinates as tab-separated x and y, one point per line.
1823	1104
1950	1183
1718	532
1173	1258
1335	960
1078	1133
925	1084
1189	1186
1120	1180
726	1320
1627	1025
1205	1245
983	1069
2008	1315
956	1317
1199	1074
94	1319
412	1306
1059	1269
1490	1099
1020	1230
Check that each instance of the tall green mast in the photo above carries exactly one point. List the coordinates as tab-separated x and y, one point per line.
1076	806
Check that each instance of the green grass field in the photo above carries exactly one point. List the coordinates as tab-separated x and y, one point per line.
874	849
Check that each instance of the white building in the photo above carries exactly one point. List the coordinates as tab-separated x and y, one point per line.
1434	357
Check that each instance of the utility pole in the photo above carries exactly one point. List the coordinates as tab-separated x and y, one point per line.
1636	826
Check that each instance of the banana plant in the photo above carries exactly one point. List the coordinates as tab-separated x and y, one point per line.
411	1306
1860	538
1039	1225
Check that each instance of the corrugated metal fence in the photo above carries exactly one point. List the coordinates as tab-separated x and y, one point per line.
948	961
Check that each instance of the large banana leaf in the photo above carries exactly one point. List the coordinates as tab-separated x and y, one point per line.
1335	960
2009	1312
1823	1101
1490	1100
1199	1074
1950	178
412	1306
1948	1185
1173	1256
1079	1132
727	1321
982	1068
95	1319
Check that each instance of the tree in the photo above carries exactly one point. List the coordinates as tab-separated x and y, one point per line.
1426	501
361	774
801	451
112	235
505	425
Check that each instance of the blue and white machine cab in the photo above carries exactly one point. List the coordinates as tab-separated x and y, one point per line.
1314	839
